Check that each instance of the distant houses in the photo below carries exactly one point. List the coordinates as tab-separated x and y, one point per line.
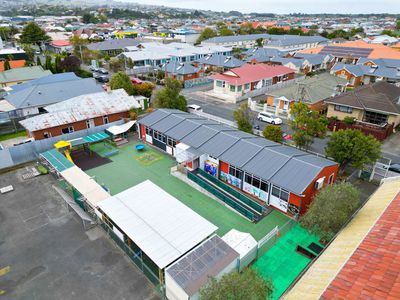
20	75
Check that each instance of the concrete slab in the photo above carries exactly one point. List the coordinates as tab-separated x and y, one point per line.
47	254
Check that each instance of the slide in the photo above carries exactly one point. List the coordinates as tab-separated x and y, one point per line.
68	156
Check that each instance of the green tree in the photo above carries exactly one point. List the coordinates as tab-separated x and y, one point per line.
225	31
273	133
398	24
306	124
130	63
48	65
331	208
7	65
206	34
30	53
259	42
121	80
145	89
57	65
33	34
352	147
169	97
238	286
243	118
390	33
38	61
115	64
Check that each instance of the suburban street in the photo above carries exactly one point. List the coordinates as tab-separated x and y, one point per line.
222	109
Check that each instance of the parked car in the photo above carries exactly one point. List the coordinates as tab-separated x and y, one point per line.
103	79
269	118
395	167
103	71
37	52
194	108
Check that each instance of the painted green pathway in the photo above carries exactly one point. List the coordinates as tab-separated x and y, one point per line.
281	263
125	171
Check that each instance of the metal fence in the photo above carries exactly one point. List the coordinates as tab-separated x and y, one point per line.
30	151
272	237
196	82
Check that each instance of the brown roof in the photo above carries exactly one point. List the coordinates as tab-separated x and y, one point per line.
380	96
373	271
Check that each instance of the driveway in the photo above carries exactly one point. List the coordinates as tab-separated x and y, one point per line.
46	254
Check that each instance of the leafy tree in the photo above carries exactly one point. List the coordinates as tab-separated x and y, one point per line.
130	63
331	208
169	97
89	18
352	147
225	31
390	33
206	34
145	89
7	65
33	34
48	65
259	42
121	80
340	33
238	286
115	64
38	61
398	24
30	52
243	119
273	133
57	65
71	63
306	124
78	44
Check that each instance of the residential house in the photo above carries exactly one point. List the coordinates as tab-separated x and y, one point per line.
382	39
369	71
181	71
361	261
261	55
316	62
272	174
59	46
13	64
20	75
32	97
377	103
311	90
15	53
219	62
297	64
237	81
113	47
81	112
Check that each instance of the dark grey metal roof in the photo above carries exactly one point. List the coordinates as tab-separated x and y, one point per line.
192	271
287	167
218	144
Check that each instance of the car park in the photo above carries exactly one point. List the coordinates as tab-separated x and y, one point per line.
269	118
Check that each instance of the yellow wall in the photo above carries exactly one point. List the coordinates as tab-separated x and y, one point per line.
357	113
394	119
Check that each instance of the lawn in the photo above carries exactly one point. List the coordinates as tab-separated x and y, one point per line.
281	263
130	167
13	135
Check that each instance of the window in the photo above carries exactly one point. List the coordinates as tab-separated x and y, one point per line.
256	182
149	131
42	110
219	83
375	118
280	193
232	88
235	172
171	142
67	130
247	86
343	108
330	179
105	119
46	135
239	88
247	178
159	137
88	125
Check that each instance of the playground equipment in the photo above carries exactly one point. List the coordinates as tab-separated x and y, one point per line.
139	147
65	147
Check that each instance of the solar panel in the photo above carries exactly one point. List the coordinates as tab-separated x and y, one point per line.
346	51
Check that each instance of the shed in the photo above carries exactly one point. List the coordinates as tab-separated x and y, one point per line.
244	244
212	258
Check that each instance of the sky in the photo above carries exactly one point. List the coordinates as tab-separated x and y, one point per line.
284	6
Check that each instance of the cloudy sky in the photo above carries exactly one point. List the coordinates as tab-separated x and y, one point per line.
285	6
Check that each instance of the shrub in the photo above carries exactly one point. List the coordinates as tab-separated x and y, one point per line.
348	120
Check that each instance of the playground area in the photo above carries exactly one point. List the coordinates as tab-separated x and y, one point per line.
130	166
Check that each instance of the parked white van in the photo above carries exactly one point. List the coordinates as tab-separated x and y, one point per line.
269	118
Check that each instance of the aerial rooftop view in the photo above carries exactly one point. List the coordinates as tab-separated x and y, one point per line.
189	150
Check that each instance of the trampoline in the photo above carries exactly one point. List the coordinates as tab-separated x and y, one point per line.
139	147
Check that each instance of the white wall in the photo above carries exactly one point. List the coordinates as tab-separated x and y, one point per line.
172	290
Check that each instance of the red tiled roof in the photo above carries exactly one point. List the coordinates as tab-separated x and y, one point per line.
13	64
251	73
373	271
60	43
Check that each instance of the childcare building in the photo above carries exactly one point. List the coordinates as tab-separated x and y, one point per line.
271	174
